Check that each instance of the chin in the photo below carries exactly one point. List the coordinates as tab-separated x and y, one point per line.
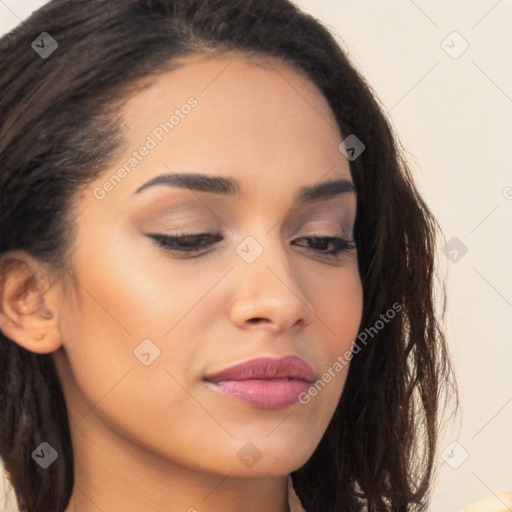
257	458
278	456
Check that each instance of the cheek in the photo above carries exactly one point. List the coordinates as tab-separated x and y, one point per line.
143	403
338	303
120	307
130	292
111	309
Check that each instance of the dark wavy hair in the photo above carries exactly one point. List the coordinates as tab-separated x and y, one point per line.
59	129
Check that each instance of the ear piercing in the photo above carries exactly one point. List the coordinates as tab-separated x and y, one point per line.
40	336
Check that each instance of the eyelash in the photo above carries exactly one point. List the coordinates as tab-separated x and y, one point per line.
172	243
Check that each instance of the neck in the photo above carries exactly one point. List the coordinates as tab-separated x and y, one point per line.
113	474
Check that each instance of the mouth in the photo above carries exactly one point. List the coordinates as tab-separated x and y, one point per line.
264	383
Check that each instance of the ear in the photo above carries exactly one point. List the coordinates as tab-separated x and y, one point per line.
29	303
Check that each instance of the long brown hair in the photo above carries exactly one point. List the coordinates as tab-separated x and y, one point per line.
59	130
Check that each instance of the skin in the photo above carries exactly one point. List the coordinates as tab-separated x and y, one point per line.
501	502
156	437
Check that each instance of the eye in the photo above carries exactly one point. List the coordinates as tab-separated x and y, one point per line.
194	243
186	243
340	245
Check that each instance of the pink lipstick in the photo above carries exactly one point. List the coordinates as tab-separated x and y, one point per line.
265	382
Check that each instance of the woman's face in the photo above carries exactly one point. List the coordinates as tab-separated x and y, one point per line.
144	326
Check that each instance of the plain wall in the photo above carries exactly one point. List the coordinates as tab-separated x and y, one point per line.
453	114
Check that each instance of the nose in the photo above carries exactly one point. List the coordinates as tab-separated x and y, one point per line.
269	292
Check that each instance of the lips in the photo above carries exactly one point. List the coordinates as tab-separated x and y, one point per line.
290	367
265	383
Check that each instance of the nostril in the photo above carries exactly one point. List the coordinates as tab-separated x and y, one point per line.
254	320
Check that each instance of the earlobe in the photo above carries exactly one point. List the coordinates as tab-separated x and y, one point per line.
28	303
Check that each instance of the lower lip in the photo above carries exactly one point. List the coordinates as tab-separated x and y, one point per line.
264	394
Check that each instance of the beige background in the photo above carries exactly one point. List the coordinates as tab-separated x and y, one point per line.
453	114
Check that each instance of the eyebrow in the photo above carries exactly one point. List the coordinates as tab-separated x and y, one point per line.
231	186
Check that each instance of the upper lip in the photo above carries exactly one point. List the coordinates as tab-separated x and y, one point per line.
289	367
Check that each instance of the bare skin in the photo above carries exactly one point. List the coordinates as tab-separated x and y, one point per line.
501	502
156	437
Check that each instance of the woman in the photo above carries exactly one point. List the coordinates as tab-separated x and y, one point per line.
216	270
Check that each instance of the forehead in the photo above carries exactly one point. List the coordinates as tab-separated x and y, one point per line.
242	107
260	123
231	76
